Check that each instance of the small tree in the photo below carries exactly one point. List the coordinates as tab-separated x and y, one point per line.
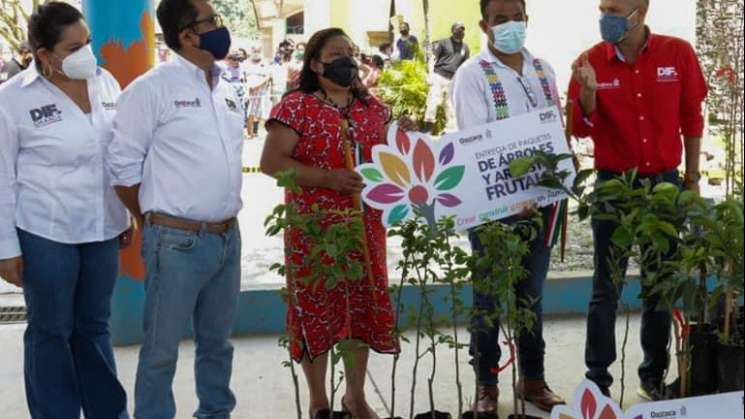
334	239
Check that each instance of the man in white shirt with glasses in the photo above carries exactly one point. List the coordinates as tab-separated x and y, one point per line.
176	164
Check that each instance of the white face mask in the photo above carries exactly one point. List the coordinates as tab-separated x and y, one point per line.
81	64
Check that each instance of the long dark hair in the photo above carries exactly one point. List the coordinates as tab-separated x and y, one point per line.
309	82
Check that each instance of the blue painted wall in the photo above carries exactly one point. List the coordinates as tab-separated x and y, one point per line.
263	311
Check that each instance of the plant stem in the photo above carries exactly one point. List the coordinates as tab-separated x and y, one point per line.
399	295
297	388
416	350
455	300
623	352
433	353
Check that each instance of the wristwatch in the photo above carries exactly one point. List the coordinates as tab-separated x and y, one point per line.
692	177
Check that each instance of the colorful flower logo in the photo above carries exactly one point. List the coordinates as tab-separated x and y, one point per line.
590	403
403	180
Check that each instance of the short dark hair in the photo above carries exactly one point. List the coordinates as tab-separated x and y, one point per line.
485	5
46	24
173	17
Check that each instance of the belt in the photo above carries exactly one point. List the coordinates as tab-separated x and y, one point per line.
658	178
189	225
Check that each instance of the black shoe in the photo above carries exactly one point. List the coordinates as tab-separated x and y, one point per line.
651	390
605	391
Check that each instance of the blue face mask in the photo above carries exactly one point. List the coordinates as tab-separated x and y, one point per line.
615	28
509	38
217	42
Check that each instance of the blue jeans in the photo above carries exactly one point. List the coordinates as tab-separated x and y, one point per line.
485	350
190	276
600	350
68	359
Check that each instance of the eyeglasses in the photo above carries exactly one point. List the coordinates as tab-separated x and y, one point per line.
214	20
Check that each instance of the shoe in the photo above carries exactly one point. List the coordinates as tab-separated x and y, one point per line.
487	400
652	391
605	391
538	393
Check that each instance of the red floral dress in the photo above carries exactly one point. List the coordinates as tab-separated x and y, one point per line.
318	318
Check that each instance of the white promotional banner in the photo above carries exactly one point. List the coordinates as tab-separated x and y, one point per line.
464	174
590	403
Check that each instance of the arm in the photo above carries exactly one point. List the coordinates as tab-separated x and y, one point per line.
694	93
583	97
11	262
277	157
135	122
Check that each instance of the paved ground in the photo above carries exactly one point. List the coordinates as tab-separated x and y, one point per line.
264	389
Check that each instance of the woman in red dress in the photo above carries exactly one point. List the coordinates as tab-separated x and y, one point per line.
305	136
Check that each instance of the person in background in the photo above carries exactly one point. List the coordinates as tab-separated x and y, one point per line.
305	136
365	65
235	75
386	52
176	164
408	44
61	224
21	60
377	65
448	55
259	85
639	96
503	81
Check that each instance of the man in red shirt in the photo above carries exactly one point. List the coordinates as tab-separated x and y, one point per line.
639	96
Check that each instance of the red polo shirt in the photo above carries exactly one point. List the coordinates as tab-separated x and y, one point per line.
643	108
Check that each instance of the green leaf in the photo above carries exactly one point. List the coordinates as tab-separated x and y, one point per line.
582	177
450	178
622	237
520	167
372	174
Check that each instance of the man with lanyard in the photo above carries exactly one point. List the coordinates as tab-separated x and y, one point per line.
448	55
176	163
635	94
506	80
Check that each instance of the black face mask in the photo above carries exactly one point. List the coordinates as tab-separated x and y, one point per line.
342	71
405	33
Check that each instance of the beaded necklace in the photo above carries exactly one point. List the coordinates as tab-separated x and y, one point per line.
497	89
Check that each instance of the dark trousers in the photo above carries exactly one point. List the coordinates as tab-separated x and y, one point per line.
68	358
485	350
600	350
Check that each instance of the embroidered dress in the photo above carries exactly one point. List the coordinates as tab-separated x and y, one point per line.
318	317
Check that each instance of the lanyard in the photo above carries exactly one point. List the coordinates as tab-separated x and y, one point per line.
497	89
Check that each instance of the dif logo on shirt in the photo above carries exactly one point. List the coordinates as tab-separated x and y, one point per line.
667	74
45	115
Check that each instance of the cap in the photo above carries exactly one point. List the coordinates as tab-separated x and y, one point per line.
458	25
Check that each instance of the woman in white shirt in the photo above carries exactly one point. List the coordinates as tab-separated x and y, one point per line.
61	224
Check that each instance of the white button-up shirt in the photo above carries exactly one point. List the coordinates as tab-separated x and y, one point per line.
472	95
53	181
181	141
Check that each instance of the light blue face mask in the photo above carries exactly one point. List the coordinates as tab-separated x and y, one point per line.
509	38
615	28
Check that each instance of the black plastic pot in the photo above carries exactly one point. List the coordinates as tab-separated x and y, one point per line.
434	415
703	360
704	372
731	361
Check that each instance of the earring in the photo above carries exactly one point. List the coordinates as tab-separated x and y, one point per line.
47	72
